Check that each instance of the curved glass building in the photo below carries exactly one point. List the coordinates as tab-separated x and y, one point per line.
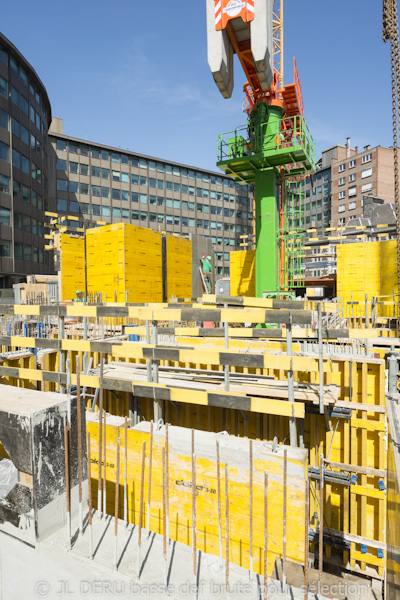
25	116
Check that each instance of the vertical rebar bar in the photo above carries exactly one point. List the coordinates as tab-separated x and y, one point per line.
105	464
227	528
321	519
116	506
306	538
265	535
167	478
219	501
289	349
284	578
79	441
165	555
320	361
67	481
150	469
141	505
226	367
99	479
194	516
89	476
251	508
126	472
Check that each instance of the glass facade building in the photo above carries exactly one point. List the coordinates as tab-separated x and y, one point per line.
25	116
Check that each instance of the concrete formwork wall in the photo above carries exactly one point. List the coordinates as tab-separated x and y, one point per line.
179	267
71	275
366	268
235	452
242	267
358	441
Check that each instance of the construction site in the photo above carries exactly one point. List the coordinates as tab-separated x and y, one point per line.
164	436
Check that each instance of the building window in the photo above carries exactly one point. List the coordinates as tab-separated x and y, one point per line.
342	195
61	164
352	163
352	205
5	216
342	208
352	191
342	168
3	87
342	180
74	206
366	173
62	185
366	158
352	177
62	205
367	187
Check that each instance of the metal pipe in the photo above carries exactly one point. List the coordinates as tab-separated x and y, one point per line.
89	474
62	355
150	468
116	507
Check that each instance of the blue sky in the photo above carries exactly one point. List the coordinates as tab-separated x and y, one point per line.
135	74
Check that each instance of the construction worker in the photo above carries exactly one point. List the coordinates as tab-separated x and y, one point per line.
79	296
207	269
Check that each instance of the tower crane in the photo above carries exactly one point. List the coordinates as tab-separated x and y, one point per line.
275	147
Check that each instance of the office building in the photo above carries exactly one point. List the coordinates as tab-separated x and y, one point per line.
25	116
98	182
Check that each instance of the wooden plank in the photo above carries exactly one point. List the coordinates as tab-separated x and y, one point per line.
369	471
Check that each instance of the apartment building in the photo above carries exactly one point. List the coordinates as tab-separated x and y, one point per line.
358	175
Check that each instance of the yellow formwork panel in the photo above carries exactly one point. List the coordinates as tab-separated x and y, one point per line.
72	266
143	264
242	273
179	267
180	493
105	260
366	268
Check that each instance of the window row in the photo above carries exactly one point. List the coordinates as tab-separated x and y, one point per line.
27	195
145	163
23	163
352	206
19	70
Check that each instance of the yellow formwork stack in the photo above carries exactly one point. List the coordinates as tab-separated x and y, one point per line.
142	264
105	262
366	268
242	264
179	267
72	266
